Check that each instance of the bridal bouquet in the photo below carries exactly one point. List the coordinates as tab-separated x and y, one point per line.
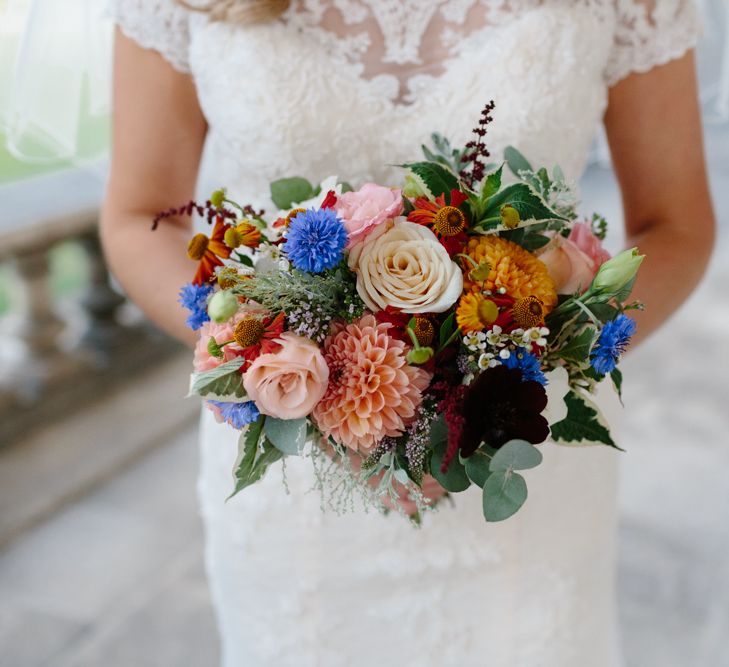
443	325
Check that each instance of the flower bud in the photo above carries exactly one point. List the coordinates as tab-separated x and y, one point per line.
420	355
223	306
217	198
214	349
617	272
510	217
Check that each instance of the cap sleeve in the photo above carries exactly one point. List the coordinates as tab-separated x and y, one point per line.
650	33
161	25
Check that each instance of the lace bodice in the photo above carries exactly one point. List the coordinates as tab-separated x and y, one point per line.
348	87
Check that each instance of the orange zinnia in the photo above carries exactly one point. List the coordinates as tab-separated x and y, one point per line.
209	251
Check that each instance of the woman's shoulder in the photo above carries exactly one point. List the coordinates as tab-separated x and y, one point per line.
160	25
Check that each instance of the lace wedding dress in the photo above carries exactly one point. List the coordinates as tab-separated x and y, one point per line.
348	87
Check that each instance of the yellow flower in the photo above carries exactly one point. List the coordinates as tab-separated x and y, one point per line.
475	312
513	268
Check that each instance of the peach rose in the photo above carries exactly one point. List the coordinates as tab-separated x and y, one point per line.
403	265
288	384
363	210
573	262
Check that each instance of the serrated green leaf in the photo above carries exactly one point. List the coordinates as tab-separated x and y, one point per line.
516	161
253	461
582	425
519	195
439	179
577	349
287	435
224	380
455	479
532	242
617	377
515	455
603	311
491	184
503	495
477	468
286	192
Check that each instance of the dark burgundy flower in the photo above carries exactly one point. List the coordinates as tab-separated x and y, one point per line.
499	406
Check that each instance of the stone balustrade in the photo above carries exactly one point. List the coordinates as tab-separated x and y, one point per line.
45	373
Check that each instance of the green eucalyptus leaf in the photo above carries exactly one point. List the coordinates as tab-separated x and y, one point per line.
516	161
287	435
515	455
223	380
503	495
286	192
455	478
477	468
439	179
253	461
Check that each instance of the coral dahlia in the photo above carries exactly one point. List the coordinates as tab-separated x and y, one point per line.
373	392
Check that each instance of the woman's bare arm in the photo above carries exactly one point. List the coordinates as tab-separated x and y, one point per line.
158	135
653	124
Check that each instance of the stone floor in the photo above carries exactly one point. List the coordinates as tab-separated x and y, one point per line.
115	576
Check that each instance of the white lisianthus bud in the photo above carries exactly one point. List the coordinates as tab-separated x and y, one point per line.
617	272
223	306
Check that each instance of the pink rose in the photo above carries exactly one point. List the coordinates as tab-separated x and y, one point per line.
573	262
288	384
363	210
582	236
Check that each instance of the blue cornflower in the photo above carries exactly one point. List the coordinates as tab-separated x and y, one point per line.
237	414
528	364
315	240
195	299
614	338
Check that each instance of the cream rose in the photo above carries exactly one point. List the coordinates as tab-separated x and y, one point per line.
403	265
287	384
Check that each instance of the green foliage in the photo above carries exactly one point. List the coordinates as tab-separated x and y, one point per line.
617	377
577	349
286	192
455	479
599	226
440	180
444	153
477	468
286	435
583	424
519	195
504	493
515	455
516	161
253	461
491	184
224	380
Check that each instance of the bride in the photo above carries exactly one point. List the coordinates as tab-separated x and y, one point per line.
242	92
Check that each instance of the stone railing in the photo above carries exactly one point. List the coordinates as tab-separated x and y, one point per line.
43	372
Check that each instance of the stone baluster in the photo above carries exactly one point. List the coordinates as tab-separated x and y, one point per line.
100	301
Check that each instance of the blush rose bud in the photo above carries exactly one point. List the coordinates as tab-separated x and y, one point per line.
223	306
617	273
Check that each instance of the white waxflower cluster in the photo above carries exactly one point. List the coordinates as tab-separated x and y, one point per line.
488	349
